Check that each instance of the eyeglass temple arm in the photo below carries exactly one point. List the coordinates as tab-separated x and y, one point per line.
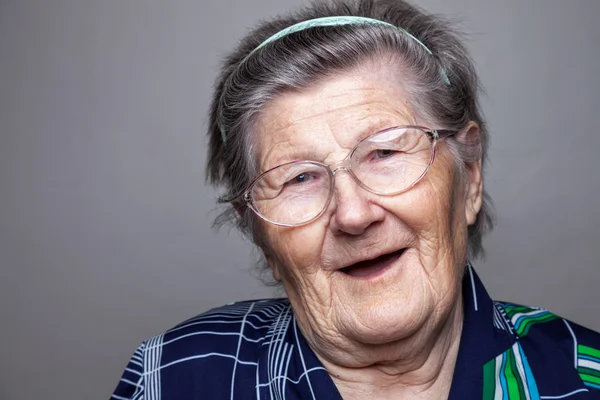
444	133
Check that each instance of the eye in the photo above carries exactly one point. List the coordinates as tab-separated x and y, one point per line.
384	153
300	178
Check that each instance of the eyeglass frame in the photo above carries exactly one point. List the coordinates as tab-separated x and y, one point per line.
344	164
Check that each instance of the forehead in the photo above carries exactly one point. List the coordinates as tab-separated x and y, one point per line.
330	117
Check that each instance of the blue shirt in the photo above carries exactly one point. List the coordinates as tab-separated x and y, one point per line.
254	350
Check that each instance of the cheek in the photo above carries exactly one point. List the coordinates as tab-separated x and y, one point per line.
429	208
297	250
426	207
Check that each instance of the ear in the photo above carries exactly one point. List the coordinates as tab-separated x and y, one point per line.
470	137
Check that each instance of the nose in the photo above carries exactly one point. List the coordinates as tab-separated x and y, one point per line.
353	209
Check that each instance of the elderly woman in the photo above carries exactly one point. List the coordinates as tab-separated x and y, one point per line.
350	145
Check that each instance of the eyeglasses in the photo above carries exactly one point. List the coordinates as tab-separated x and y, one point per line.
386	163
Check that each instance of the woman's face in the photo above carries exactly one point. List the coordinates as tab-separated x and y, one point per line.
372	269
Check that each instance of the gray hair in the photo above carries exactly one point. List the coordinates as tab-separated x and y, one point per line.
249	81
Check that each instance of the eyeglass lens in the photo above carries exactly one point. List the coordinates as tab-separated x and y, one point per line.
386	163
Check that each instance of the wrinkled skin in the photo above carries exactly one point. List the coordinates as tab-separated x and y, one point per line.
399	329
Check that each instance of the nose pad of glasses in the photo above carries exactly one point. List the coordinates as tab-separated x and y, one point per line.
340	165
333	171
344	165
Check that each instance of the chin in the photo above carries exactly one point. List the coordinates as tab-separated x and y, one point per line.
386	322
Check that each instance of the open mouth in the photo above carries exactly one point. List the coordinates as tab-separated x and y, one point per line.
370	267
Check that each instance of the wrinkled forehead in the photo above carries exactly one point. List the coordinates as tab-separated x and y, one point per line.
329	117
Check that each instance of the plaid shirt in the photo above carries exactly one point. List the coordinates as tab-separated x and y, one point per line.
254	350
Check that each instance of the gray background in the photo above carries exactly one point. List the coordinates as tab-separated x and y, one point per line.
105	234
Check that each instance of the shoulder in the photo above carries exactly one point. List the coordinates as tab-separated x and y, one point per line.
555	343
222	328
257	314
587	354
201	349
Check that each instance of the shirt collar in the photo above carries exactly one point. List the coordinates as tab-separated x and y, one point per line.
484	336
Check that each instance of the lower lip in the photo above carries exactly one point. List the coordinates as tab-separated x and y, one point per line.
373	268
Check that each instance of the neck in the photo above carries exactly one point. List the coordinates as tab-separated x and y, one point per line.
417	367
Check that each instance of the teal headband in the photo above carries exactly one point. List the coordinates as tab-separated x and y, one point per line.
334	21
